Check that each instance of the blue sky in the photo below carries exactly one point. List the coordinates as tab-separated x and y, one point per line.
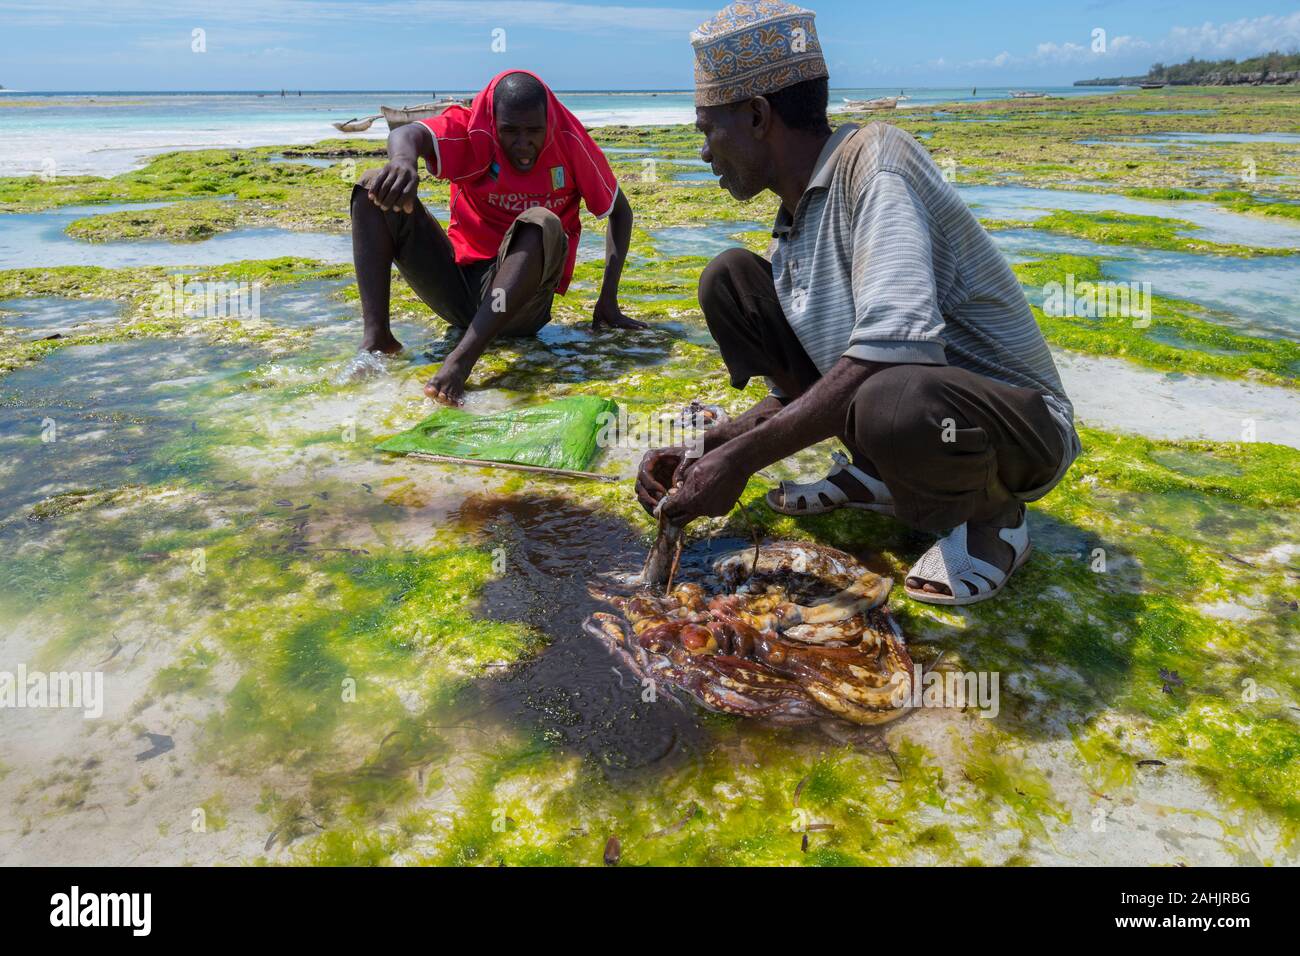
447	44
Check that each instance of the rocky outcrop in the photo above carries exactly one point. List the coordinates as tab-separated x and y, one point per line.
1264	78
1268	78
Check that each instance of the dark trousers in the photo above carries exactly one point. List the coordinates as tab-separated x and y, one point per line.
952	445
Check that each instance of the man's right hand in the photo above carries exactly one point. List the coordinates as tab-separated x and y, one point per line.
657	473
395	186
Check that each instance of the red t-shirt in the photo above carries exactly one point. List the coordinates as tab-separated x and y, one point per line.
487	197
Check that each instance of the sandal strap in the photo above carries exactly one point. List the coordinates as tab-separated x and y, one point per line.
813	490
1017	537
880	493
824	494
949	562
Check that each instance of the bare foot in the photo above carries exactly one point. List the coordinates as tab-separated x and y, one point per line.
383	342
982	542
448	384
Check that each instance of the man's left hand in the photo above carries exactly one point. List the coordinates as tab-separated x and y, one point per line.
710	488
607	315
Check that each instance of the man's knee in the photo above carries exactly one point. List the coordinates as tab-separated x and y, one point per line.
538	234
541	227
362	186
526	237
718	280
895	408
542	217
359	203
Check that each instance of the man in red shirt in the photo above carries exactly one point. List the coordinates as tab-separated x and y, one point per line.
519	164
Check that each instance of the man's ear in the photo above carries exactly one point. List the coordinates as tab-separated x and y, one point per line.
760	116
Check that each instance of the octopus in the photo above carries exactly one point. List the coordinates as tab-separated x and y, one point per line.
787	632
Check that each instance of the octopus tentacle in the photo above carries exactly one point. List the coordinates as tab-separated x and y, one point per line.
771	648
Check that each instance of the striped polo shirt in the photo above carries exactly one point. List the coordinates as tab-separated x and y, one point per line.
882	261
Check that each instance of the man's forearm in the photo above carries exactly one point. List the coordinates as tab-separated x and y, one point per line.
408	144
735	427
618	239
815	415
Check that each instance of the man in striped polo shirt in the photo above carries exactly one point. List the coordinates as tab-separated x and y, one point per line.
885	317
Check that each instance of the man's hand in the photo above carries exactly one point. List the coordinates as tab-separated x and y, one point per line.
607	315
655	475
709	488
395	186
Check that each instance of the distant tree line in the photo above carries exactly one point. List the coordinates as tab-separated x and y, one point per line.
1272	67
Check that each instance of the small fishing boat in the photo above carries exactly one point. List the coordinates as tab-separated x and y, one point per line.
409	114
1027	94
356	124
883	103
1152	86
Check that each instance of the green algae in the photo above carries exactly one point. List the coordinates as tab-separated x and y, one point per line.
336	654
1197	339
147	295
1162	192
1255	473
1150	232
137	284
1007	781
292	195
1037	142
523	810
191	673
1251	761
1241	201
215	813
1110	767
190	222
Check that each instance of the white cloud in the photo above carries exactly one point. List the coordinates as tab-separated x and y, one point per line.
1238	39
1246	37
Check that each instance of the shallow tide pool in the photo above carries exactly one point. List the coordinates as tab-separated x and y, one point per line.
39	238
1259	295
1213	223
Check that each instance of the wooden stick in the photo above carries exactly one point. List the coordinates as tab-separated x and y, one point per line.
535	469
677	558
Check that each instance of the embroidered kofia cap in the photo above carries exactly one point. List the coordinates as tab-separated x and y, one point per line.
752	48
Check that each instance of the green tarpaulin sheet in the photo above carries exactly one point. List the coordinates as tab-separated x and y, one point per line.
559	434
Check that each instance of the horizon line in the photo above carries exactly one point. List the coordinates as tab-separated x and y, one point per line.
425	90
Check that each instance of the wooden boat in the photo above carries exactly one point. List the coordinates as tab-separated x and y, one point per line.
1152	86
409	114
883	103
1027	94
356	125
